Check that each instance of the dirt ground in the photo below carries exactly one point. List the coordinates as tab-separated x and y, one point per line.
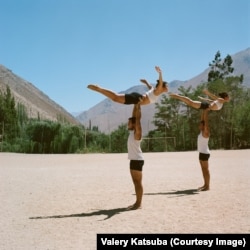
63	201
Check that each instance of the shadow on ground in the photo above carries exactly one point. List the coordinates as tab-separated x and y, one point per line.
107	212
177	193
112	212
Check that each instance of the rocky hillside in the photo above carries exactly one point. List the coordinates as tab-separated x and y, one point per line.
108	115
36	102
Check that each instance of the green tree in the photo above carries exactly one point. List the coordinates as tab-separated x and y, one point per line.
8	116
220	69
119	139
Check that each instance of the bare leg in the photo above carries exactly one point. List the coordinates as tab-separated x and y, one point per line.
188	101
120	98
206	175
137	180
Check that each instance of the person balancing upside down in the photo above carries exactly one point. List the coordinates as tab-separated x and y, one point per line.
150	96
215	103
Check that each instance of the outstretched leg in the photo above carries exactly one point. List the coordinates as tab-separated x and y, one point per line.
188	101
120	98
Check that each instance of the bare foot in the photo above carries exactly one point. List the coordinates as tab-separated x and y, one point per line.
92	86
199	188
134	207
205	188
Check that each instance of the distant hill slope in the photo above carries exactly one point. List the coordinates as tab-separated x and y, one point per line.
35	101
108	115
241	64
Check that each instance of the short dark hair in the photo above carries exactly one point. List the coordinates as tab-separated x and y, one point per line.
223	95
132	119
158	82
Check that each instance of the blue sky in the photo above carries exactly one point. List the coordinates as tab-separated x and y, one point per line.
62	46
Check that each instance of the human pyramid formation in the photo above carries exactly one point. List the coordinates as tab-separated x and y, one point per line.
135	131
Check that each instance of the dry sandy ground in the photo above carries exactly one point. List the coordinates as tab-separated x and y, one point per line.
63	201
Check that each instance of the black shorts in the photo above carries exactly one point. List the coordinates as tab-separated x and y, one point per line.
204	105
203	157
136	165
132	98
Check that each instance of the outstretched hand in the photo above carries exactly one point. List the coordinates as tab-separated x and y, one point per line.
144	81
158	69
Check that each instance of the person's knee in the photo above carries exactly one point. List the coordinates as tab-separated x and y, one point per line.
138	183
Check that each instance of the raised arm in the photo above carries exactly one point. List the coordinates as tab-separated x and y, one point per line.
137	115
206	92
158	69
205	99
204	117
161	86
147	83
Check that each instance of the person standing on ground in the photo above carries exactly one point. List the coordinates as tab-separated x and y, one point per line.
203	149
135	154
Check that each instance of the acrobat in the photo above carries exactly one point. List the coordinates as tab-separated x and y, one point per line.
150	96
215	103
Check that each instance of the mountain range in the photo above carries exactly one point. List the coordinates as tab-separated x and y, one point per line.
108	115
